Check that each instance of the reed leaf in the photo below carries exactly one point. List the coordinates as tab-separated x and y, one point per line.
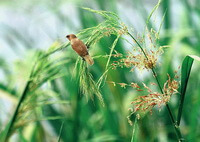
185	75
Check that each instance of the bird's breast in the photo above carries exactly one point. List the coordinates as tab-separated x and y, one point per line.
79	47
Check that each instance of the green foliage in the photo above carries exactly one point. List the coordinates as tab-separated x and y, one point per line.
135	131
51	83
110	26
43	70
87	84
185	75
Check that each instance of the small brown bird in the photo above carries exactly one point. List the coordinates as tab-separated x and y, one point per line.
80	48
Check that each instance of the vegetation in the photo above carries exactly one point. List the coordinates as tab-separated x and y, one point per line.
142	86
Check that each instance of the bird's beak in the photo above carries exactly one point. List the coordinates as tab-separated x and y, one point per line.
67	36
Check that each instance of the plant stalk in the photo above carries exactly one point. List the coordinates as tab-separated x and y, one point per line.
22	98
176	127
17	110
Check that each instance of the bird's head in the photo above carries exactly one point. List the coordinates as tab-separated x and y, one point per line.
70	37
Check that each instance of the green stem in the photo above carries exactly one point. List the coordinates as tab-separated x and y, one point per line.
176	127
77	110
135	130
17	110
61	130
22	98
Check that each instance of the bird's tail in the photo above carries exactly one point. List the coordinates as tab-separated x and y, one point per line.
89	59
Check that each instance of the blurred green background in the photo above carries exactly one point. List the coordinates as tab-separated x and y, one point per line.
28	26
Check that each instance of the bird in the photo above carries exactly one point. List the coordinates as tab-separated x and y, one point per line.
80	48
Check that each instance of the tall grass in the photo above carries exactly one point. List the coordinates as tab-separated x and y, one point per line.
63	88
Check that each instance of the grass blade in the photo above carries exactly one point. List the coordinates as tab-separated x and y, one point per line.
8	132
60	133
135	130
4	132
154	9
185	74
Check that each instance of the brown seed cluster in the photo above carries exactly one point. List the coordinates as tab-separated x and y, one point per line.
124	85
144	104
137	60
170	86
145	55
123	30
145	58
110	29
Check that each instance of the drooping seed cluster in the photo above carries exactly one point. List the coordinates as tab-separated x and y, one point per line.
146	58
144	104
